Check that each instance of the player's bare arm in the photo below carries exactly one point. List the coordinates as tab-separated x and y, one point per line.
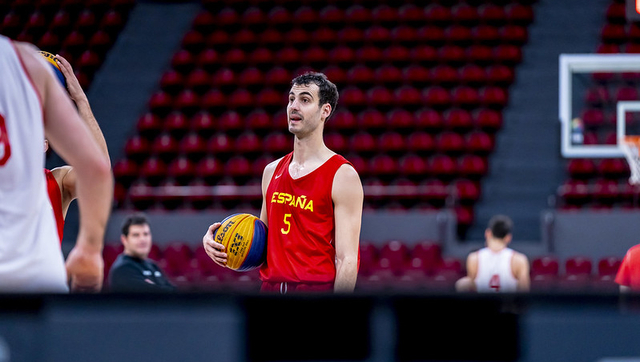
65	175
348	197
467	283
520	267
95	182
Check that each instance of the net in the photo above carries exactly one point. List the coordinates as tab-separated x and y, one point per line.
630	146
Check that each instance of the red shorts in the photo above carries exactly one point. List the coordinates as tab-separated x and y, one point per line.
289	287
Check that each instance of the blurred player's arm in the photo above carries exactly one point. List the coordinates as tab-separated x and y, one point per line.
520	269
348	197
467	283
65	175
73	142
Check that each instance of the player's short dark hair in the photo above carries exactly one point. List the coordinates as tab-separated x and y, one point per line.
500	226
328	92
134	219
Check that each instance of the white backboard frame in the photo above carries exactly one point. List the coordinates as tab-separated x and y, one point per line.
591	63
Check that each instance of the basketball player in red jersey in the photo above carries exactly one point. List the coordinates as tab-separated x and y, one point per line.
33	106
312	203
61	181
628	276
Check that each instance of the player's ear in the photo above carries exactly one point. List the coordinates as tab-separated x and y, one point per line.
326	111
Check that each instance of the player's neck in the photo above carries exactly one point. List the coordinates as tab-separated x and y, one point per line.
496	244
308	149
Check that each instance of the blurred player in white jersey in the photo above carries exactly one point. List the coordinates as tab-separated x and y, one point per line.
33	105
496	268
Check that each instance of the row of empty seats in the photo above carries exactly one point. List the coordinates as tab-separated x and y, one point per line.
81	32
391	265
421	96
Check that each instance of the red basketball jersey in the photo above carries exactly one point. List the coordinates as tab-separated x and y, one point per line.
300	246
56	201
629	272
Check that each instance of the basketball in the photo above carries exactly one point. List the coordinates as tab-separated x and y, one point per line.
244	237
56	68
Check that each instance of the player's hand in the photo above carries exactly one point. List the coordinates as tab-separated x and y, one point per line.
214	249
73	85
85	270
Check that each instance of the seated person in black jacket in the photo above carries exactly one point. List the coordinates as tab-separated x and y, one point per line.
132	271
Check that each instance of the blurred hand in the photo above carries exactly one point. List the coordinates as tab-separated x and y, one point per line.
73	85
85	270
214	249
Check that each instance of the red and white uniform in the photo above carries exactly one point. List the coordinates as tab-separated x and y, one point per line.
30	255
494	271
301	251
53	189
629	272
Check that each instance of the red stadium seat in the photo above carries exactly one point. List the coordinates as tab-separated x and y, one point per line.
609	266
176	125
421	143
388	75
442	167
472	75
336	142
574	192
360	75
192	145
458	34
581	168
412	166
465	97
371	120
479	143
220	144
396	252
187	102
165	146
209	169
578	265
153	170
416	74
362	143
545	265
391	143
500	75
408	98
438	14
277	143
429	120
451	143
472	166
380	97
182	170
613	168
383	166
400	118
125	171
492	14
436	97
248	143
465	14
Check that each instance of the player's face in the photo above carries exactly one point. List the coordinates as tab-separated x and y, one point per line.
304	112
138	242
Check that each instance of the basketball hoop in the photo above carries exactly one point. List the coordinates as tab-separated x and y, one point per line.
631	147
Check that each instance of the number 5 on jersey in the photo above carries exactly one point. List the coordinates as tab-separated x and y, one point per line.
287	223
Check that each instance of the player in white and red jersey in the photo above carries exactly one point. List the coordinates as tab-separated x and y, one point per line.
34	105
312	203
496	268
